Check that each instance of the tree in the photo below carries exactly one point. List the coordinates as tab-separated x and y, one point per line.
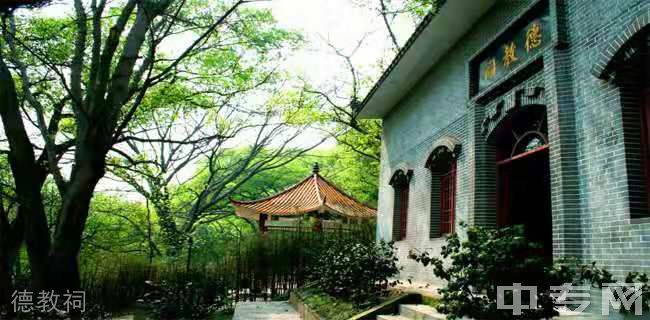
154	168
390	10
339	100
31	173
99	85
238	98
117	226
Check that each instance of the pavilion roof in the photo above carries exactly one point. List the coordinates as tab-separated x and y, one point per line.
314	193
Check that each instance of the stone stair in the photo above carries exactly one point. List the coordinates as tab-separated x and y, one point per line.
414	312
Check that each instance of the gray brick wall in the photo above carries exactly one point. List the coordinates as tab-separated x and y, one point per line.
437	107
605	163
593	134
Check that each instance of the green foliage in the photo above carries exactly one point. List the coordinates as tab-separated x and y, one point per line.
188	297
116	226
419	8
7	186
55	38
415	10
259	28
354	175
356	271
489	258
599	277
299	108
246	263
366	142
239	61
595	276
328	307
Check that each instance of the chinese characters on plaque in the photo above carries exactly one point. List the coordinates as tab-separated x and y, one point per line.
533	36
505	55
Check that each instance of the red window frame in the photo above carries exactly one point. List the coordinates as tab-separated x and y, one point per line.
403	211
448	200
503	184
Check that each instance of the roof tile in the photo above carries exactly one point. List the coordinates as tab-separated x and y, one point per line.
311	194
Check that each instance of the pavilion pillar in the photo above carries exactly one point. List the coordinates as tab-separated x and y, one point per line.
318	227
262	222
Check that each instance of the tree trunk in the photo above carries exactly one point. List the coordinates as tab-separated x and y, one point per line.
26	177
31	225
5	269
64	267
11	237
190	244
37	239
6	288
89	169
171	236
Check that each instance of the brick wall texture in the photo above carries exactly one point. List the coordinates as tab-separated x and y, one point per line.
593	129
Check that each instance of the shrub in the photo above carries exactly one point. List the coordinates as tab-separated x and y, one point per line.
599	277
183	299
487	259
596	276
642	279
357	271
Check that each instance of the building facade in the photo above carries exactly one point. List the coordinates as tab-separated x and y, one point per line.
501	112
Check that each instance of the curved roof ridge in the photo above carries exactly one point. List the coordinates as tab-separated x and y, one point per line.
345	193
321	199
310	194
296	185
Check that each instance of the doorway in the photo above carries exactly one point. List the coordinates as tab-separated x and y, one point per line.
524	184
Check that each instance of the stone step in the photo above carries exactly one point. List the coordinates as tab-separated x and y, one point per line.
420	312
382	317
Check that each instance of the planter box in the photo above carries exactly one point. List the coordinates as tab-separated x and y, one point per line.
389	306
303	310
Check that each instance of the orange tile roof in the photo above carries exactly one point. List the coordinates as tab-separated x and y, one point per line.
311	194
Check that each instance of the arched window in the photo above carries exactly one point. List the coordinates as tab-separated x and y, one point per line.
632	74
522	134
400	183
442	163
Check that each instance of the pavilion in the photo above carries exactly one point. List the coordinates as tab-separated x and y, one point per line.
313	196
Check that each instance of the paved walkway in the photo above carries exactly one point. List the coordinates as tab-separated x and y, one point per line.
265	311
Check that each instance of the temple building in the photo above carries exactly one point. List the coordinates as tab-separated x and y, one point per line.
503	112
314	198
